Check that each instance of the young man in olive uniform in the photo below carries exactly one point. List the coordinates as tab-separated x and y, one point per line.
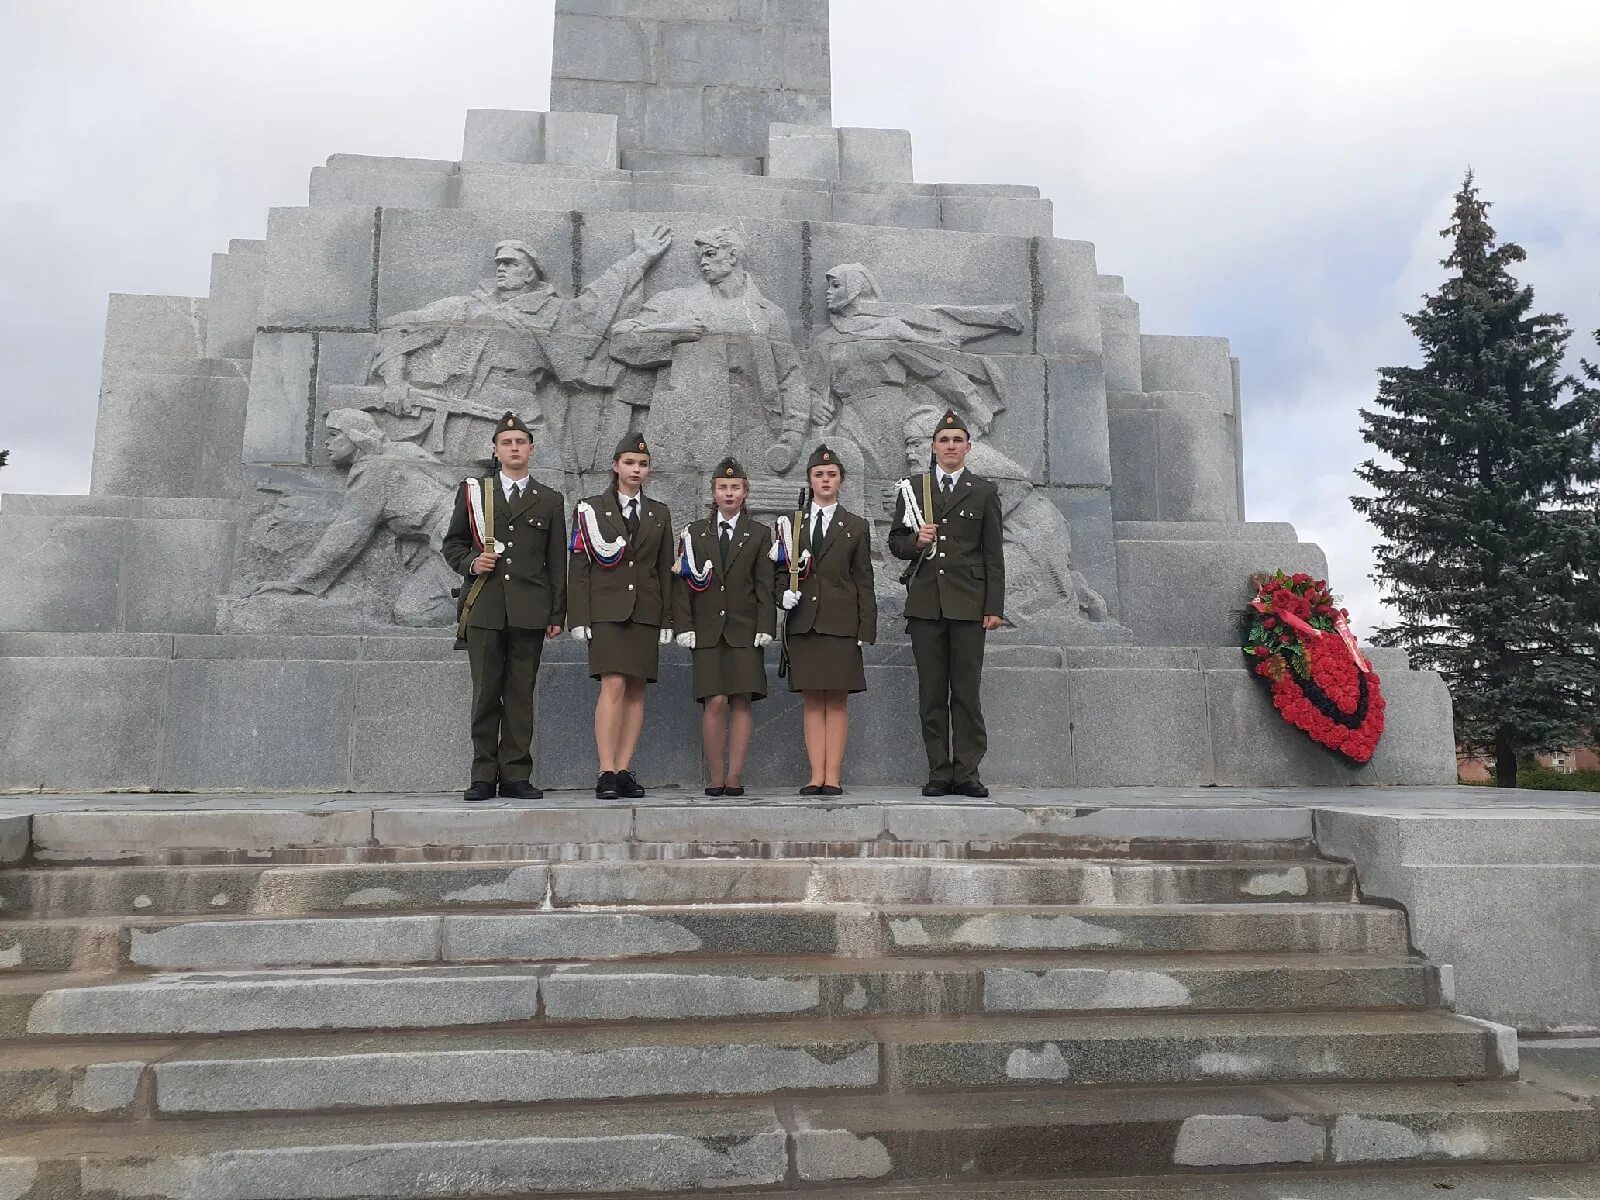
955	596
508	540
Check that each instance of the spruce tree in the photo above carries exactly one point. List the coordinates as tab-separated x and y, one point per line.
1485	502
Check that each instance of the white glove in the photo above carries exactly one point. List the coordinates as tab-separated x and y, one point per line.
666	637
859	642
686	640
582	633
790	599
763	640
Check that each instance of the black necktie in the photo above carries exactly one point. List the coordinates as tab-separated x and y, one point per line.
725	538
816	532
632	518
945	483
516	492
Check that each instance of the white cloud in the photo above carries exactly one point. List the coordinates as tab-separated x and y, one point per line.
1274	173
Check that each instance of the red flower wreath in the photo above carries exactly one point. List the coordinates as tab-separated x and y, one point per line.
1300	640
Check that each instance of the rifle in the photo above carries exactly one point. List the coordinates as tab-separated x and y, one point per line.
794	575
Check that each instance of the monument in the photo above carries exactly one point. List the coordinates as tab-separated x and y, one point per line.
685	246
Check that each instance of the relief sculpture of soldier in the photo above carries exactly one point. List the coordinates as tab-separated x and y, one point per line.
881	354
489	351
728	379
392	486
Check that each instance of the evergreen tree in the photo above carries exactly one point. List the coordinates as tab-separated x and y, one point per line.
1485	501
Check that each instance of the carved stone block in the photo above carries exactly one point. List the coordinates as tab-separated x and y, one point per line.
427	255
1069	314
805	151
1213	578
236	282
905	207
1188	364
1079	441
502	135
62	572
391	749
1119	340
1134	458
319	268
173	572
1017	216
703	52
737	119
876	156
580	139
333	187
1140	726
1094	548
504	191
1197	480
297	712
278	425
168	435
149	332
119	699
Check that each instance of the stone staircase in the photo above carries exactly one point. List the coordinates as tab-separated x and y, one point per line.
824	1026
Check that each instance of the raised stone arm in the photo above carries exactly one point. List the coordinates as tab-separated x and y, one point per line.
796	404
358	520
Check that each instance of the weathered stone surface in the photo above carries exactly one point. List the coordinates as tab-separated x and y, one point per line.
168	435
427	255
504	826
172	572
1069	319
1212	577
806	151
503	136
235	295
150	332
14	838
323	941
1079	451
1187	364
501	1070
309	1000
1137	726
1016	216
575	936
297	714
121	700
880	156
319	264
91	836
1504	896
334	187
62	572
389	748
1119	338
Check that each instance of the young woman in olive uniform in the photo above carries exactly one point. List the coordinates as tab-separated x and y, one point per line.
723	611
619	602
831	617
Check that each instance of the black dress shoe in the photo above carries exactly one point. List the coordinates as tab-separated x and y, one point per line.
733	791
481	789
628	787
936	787
831	789
605	787
972	787
715	791
520	789
811	789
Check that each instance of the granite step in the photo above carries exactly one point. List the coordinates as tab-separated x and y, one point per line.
857	931
821	1148
203	1003
381	887
305	1073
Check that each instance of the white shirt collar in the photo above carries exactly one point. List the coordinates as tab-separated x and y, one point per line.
626	500
825	509
507	483
954	477
717	519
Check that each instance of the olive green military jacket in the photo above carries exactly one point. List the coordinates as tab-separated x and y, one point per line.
965	577
528	587
637	588
839	596
737	602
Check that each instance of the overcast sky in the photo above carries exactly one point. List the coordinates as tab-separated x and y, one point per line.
1274	173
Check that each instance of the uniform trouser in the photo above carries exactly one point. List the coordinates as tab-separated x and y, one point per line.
949	658
505	664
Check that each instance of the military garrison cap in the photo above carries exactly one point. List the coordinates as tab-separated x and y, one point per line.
951	420
729	468
822	456
511	423
632	444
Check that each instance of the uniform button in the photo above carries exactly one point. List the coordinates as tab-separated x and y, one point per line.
941	570
508	577
941	554
722	613
630	586
511	524
630	567
510	544
721	589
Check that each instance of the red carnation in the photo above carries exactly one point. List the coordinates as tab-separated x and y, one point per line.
1262	652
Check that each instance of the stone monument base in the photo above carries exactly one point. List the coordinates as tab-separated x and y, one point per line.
378	713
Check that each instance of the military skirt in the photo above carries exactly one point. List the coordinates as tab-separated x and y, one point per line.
825	662
625	648
724	670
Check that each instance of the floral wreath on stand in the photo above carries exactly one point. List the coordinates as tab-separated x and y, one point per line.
1300	641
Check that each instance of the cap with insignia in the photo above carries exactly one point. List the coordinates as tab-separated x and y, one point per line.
952	420
822	456
511	423
729	468
632	444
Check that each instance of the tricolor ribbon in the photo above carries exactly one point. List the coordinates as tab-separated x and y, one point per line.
783	543
475	515
698	578
587	538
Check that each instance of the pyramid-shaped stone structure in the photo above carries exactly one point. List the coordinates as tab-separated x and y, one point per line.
251	594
